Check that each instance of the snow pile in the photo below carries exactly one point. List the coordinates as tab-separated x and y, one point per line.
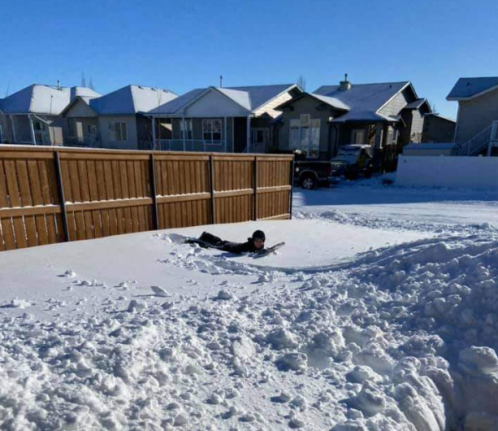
402	338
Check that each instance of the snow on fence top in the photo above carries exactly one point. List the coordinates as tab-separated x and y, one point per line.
52	195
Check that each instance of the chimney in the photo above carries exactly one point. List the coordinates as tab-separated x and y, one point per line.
345	85
221	81
58	85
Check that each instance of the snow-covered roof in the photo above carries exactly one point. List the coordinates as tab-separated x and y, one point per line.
43	99
132	99
364	97
332	101
250	97
467	88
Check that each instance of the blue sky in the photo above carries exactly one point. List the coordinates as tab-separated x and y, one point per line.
186	44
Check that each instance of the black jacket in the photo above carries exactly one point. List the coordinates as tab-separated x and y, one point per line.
231	247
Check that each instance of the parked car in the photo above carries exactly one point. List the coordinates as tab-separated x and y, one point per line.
352	161
310	174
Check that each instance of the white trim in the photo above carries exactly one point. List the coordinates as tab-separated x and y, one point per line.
225	132
457	124
399	91
248	134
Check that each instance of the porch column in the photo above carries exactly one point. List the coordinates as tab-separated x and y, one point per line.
153	132
225	132
248	144
13	129
233	134
183	133
32	129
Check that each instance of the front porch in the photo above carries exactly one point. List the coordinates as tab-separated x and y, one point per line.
222	134
83	132
32	129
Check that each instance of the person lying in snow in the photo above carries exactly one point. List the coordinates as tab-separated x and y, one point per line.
253	244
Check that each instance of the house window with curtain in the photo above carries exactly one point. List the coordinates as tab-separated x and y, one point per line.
118	131
294	134
305	135
212	130
186	128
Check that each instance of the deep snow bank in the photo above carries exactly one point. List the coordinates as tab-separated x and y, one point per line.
402	338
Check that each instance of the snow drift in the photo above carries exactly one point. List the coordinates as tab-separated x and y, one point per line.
400	338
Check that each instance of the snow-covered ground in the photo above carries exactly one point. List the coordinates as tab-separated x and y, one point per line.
378	314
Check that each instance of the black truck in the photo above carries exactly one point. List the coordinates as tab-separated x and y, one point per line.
310	174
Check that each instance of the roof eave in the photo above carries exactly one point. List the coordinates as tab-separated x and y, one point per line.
482	93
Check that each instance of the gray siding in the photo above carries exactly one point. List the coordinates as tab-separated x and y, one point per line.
475	115
437	129
131	143
395	106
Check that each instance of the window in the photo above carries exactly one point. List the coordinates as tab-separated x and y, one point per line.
294	134
305	135
358	137
211	130
118	131
186	128
260	136
314	144
39	126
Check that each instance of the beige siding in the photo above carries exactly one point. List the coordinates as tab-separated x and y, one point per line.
131	142
306	105
417	126
56	130
213	104
395	106
80	109
269	108
475	115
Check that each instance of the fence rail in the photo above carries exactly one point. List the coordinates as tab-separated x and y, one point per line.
51	195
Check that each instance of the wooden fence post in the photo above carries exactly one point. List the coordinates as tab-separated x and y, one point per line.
211	188
255	173
155	217
291	195
60	188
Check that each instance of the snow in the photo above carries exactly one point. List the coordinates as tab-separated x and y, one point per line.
378	314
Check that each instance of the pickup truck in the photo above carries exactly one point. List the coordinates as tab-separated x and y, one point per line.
310	174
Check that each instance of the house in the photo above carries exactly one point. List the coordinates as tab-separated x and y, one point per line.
385	115
32	115
438	129
476	129
230	119
116	120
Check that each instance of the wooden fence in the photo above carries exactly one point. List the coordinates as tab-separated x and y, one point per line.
50	195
